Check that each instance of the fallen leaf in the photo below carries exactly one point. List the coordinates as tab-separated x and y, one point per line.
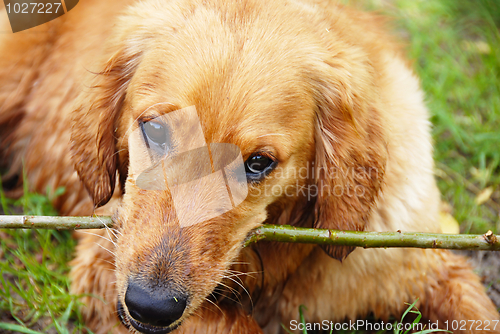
448	224
484	195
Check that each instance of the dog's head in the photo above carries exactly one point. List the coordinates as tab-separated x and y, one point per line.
298	100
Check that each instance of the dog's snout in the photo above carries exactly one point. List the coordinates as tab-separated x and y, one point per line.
155	307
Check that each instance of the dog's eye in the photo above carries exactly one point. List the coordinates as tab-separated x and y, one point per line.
156	136
156	132
259	166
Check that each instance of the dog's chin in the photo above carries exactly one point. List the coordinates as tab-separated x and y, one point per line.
130	323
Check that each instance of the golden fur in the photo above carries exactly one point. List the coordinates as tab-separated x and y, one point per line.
316	84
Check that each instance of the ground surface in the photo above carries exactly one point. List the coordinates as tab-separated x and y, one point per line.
487	265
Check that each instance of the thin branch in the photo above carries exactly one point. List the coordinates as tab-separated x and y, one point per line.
54	222
285	233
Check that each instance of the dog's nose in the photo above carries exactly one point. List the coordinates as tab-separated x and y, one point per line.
156	308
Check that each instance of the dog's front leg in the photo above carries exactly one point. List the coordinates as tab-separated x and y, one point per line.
381	281
455	297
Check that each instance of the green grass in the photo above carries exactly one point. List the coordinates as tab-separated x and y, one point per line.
34	281
456	49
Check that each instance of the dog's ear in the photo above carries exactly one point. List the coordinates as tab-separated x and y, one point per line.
94	123
350	149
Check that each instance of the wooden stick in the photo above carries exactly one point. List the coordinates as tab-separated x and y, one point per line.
285	233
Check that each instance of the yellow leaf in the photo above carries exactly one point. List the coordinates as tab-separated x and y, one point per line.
484	195
448	224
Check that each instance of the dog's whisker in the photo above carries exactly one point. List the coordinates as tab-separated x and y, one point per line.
217	292
238	278
217	306
237	274
111	236
234	292
111	263
108	230
103	247
197	314
223	293
237	300
97	235
232	275
250	273
238	262
243	287
110	252
117	231
231	289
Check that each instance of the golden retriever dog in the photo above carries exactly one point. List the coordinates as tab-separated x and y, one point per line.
333	133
